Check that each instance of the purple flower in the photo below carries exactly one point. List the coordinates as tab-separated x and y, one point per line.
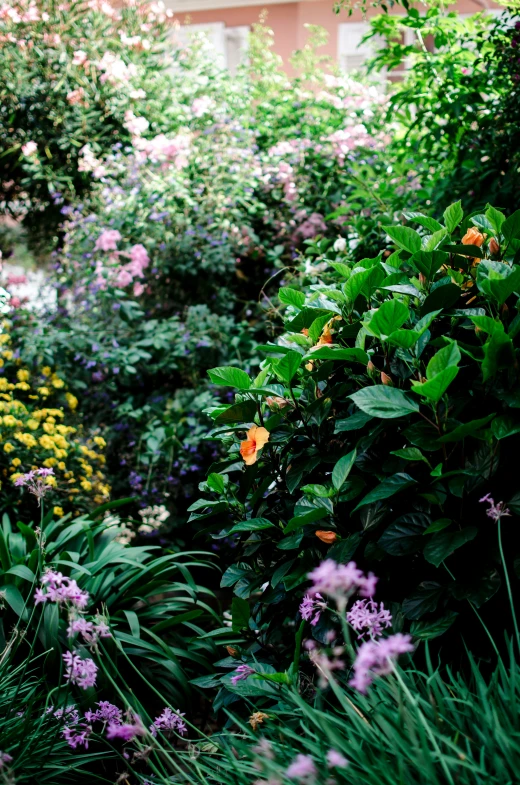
90	631
5	759
106	712
80	671
127	731
242	673
341	580
311	608
301	768
169	721
495	511
371	619
374	658
33	482
336	760
64	591
76	737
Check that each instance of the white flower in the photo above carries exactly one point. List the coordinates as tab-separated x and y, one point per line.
340	245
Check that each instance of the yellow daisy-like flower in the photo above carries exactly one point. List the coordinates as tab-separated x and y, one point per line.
8	447
22	375
58	511
16	462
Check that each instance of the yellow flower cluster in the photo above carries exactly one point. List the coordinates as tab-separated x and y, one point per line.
36	412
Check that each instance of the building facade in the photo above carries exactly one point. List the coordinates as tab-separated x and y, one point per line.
227	24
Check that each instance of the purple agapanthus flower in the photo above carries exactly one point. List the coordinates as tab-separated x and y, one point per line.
375	658
169	721
242	673
341	580
58	588
302	768
78	736
495	511
369	618
106	712
311	608
127	731
35	483
80	671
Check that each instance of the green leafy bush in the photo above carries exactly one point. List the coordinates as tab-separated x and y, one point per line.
379	419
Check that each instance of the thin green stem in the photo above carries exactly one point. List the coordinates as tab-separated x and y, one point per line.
508	583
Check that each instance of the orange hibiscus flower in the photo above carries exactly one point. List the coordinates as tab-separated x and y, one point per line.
256	438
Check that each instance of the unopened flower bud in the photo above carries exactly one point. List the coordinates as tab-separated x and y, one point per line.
386	379
494	247
232	652
275	402
326	537
372	370
423	279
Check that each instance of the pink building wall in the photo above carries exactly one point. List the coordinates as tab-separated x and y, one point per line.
288	20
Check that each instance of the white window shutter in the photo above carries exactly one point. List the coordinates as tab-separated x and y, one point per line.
351	53
237	44
214	32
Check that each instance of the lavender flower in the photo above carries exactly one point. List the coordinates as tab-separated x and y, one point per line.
64	591
495	511
341	580
301	768
169	721
374	658
336	760
127	731
5	759
90	631
371	619
242	673
34	483
76	737
79	671
106	712
311	608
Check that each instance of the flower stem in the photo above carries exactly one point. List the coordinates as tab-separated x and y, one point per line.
508	583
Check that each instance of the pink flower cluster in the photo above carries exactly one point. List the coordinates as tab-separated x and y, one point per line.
64	591
375	658
115	70
311	608
369	618
77	732
80	671
242	673
166	150
35	482
91	631
495	511
341	580
124	274
107	240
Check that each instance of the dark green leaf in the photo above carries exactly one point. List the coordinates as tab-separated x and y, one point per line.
385	402
237	412
389	487
442	297
239	614
442	545
426	630
252	525
424	599
342	469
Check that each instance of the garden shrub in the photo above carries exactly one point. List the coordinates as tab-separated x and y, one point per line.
71	77
39	428
380	422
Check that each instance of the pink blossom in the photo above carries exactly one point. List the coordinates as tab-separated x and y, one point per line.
201	105
135	125
106	712
301	768
336	760
126	731
62	590
374	658
5	759
169	721
29	148
139	260
495	511
341	580
124	277
76	96
107	240
76	737
242	673
138	289
367	616
79	58
311	608
80	671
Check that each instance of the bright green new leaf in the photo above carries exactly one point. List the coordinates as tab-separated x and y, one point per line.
453	215
291	296
363	283
435	388
404	237
390	316
338	353
229	376
428	262
287	367
511	226
252	525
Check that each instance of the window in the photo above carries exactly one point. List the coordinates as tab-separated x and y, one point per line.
229	43
352	54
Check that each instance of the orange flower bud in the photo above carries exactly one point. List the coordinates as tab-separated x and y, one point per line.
275	402
473	237
423	279
386	379
232	652
326	537
494	247
372	370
